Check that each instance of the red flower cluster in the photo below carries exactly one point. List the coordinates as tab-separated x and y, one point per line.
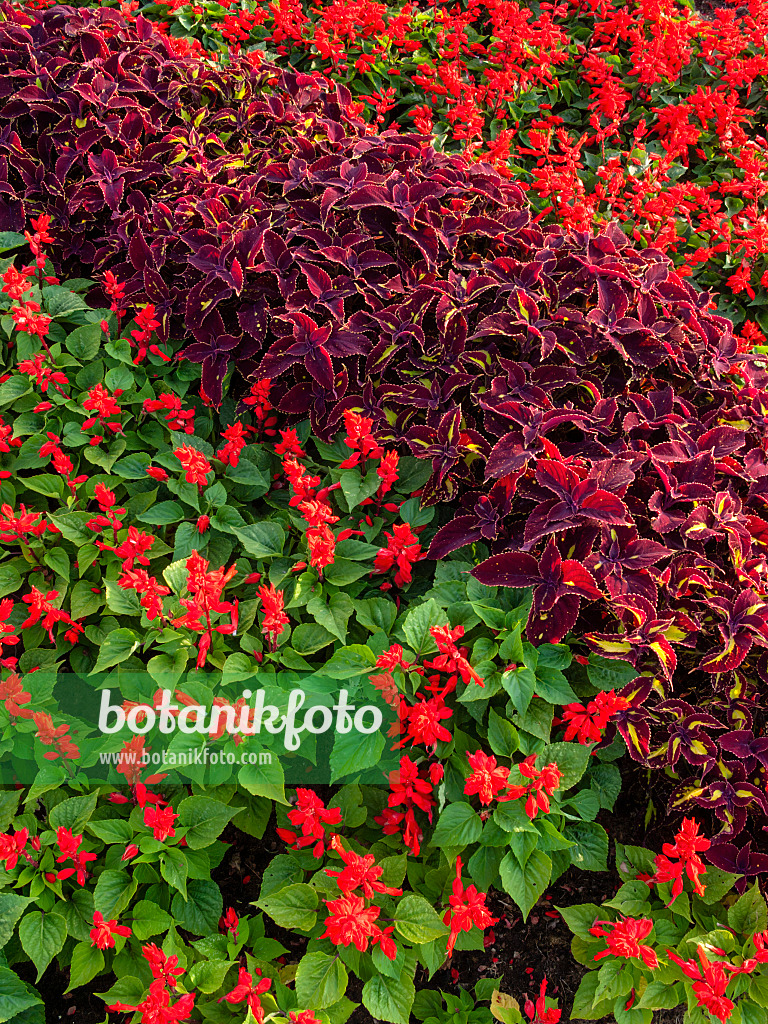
544	782
687	846
587	724
408	789
624	938
206	587
310	816
466	909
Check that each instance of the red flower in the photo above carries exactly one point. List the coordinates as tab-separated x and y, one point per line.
467	909
157	1007
275	619
358	872
688	843
195	463
543	783
311	816
156	473
402	551
709	982
322	546
11	847
103	933
289	445
350	922
160	820
162	966
486	779
625	939
539	1014
245	991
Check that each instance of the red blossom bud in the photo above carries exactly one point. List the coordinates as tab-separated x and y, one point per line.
203	523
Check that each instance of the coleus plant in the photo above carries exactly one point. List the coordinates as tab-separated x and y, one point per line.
674	935
240	241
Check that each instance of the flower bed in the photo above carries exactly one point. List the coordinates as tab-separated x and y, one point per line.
645	113
338	419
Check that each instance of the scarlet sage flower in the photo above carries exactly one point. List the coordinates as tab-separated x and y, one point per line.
12	846
487	778
275	619
350	922
160	820
687	846
246	991
165	968
41	607
229	922
359	872
195	464
310	815
103	932
538	1013
467	909
322	547
625	939
543	784
710	982
13	695
452	659
289	444
422	722
586	724
157	1007
401	553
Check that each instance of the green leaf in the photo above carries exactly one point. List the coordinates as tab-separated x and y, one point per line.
208	975
417	624
87	961
15	996
162	514
590	852
205	819
149	920
174	868
309	637
11	909
114	891
502	736
526	884
552	685
9	804
58	300
347	662
82	600
119	645
202	909
42	937
10	580
58	560
262	540
748	914
120	601
356	488
458	825
321	980
72	526
14	388
333	616
84	342
292	907
605	780
520	684
389	999
73	813
585	1006
353	752
133	466
609	673
417	921
571	758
